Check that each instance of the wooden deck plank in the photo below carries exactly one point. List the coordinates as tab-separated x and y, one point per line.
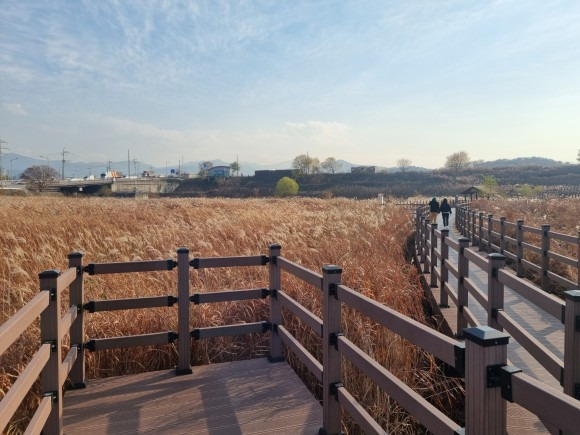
252	396
548	330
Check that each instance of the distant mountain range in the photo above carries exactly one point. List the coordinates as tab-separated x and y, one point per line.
18	163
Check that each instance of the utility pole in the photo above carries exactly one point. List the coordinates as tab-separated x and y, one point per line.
135	165
128	165
63	162
166	167
2	148
12	173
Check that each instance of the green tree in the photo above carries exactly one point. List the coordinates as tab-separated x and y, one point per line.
305	165
490	185
528	191
457	162
235	167
286	186
39	176
330	165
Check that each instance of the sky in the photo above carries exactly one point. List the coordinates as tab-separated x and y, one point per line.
369	82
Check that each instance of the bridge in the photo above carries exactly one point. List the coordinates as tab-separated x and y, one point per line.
116	185
503	389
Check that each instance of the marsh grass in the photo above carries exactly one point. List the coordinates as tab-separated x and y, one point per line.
366	240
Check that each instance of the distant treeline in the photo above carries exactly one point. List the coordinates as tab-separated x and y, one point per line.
564	179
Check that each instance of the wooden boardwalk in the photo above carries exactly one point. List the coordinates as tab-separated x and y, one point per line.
544	327
249	397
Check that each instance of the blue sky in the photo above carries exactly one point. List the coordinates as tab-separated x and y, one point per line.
365	81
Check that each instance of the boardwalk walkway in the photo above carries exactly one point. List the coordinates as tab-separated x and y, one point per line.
249	397
548	330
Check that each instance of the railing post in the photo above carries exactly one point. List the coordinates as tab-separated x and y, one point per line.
433	257
443	297
473	225
462	295
545	258
485	354
520	247
572	344
422	241
50	333
502	234
77	329
480	231
331	359
184	339
427	261
578	257
276	353
489	235
418	229
494	289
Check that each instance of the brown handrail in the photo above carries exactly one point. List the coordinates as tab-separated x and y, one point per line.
23	318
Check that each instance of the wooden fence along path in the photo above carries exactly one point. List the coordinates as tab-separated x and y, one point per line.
245	396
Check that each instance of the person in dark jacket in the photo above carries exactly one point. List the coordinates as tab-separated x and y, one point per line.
445	212
433	210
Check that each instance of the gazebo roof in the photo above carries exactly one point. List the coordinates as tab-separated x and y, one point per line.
471	190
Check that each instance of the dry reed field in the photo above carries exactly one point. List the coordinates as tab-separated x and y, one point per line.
366	240
563	216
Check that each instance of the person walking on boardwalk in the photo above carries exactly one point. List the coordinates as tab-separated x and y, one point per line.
445	212
433	210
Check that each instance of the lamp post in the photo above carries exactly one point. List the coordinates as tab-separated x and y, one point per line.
11	173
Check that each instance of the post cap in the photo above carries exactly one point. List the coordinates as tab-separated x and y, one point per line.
331	269
76	254
496	256
503	218
183	251
53	273
572	295
546	226
463	240
275	246
486	336
445	230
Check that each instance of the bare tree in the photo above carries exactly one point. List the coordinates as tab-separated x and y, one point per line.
457	161
235	167
330	165
39	176
404	164
204	167
305	165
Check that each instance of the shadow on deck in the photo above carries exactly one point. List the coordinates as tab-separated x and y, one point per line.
252	396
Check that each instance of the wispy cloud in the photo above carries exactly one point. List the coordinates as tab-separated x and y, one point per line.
15	108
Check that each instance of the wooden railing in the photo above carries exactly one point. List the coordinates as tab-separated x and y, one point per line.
433	250
481	359
493	235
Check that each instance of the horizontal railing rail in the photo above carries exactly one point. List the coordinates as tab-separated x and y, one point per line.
491	297
476	359
47	362
492	235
